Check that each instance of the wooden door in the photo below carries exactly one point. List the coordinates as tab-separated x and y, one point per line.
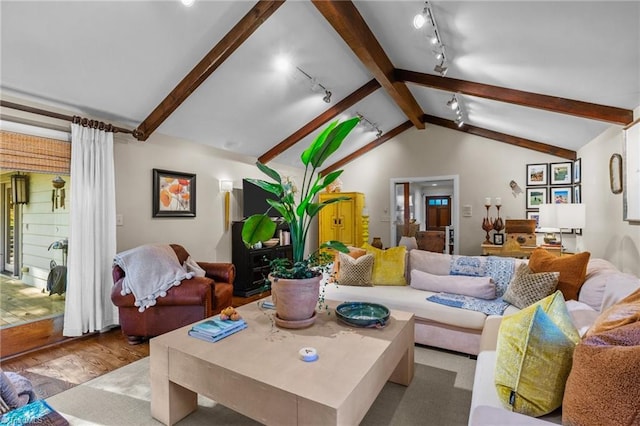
438	210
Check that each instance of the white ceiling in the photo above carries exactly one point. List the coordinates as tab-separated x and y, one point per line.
117	60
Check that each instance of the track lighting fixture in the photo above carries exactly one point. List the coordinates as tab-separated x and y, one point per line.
427	16
455	105
369	124
187	3
317	86
283	64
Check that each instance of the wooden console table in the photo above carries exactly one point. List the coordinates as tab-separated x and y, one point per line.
523	252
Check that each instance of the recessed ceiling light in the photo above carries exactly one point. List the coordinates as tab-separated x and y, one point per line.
187	3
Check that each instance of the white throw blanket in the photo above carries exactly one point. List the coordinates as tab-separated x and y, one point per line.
150	270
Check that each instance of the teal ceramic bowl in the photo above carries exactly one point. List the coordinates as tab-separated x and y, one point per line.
363	314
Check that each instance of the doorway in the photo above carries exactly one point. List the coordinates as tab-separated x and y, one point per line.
420	188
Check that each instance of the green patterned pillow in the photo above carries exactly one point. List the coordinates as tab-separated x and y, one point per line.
527	288
356	272
534	355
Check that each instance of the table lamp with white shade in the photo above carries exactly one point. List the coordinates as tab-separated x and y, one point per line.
562	216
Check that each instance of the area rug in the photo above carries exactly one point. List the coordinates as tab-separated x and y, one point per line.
440	394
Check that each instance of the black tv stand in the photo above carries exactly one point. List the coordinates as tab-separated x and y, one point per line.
252	265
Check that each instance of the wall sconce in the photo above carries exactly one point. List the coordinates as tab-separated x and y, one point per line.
226	186
20	189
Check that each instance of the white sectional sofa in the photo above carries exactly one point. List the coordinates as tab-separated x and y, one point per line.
603	287
475	333
435	324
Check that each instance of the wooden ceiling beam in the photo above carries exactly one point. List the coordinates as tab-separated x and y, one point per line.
533	100
370	146
502	137
216	56
332	112
349	24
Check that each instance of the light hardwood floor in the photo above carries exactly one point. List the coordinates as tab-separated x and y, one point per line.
60	366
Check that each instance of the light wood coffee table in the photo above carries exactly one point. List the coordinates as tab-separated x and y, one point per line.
258	372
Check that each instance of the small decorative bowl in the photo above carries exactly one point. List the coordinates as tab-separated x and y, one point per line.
363	314
271	243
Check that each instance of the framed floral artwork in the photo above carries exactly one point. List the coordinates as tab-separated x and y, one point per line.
535	197
174	194
561	173
537	174
561	195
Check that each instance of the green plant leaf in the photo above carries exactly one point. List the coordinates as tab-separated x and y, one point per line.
269	171
331	177
308	153
335	245
274	188
333	141
258	227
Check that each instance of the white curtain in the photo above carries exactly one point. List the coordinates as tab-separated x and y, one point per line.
92	234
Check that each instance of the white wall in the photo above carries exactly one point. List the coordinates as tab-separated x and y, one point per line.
607	236
485	168
204	236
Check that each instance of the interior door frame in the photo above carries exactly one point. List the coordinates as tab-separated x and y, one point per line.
455	202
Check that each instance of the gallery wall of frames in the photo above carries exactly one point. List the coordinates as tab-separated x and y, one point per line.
558	183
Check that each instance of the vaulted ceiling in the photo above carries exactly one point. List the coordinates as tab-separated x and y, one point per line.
547	76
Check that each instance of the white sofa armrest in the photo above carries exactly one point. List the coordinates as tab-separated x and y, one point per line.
489	337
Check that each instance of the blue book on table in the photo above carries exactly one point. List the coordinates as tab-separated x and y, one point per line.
215	328
214	338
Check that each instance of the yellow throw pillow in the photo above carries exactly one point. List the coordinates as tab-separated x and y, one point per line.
388	265
534	355
573	269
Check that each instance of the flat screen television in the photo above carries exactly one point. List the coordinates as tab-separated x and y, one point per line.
254	200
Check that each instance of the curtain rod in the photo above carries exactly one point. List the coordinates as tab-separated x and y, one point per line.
74	119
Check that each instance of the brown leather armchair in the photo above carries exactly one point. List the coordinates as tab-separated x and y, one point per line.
193	300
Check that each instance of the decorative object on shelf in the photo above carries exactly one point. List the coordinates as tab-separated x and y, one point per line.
226	186
377	243
335	186
297	207
615	173
174	194
19	189
561	173
409	242
498	224
498	239
487	223
537	174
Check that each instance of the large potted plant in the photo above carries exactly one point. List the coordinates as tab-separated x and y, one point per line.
295	284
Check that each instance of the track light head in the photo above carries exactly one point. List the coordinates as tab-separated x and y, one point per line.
459	122
327	96
379	133
441	69
420	19
453	103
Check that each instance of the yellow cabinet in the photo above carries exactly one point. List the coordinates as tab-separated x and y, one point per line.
342	221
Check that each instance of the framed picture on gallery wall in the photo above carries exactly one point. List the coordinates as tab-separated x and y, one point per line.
561	173
535	197
577	194
535	215
537	174
577	171
174	194
561	195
